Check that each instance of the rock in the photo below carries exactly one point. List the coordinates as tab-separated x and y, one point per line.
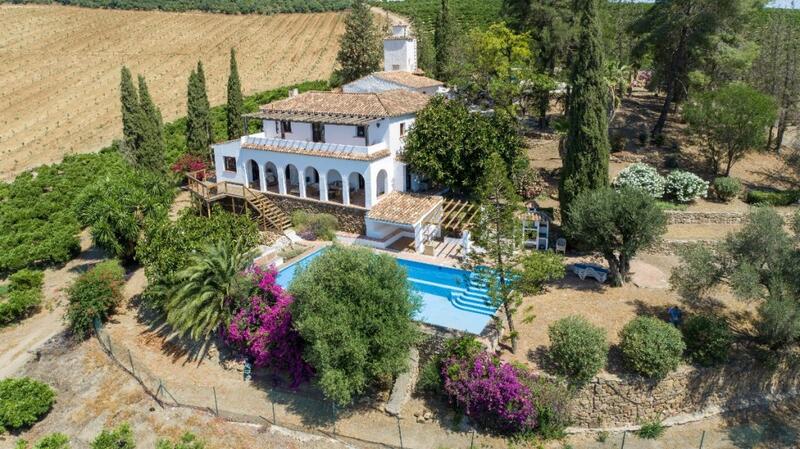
427	415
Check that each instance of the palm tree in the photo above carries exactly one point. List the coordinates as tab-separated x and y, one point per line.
204	294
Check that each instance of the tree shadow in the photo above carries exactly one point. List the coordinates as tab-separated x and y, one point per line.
171	343
642	308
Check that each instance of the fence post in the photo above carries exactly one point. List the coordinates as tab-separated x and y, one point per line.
130	359
274	421
216	405
472	439
399	432
702	439
624	434
333	407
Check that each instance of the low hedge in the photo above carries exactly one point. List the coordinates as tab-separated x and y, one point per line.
708	339
23	402
578	349
773	197
651	347
95	294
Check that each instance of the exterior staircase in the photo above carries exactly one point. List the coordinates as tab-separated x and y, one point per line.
269	214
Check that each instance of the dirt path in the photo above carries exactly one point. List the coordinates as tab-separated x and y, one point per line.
20	342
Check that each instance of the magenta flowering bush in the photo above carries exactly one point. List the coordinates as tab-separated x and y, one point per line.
494	394
262	328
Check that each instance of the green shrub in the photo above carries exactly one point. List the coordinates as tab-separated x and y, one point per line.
778	322
188	441
684	187
708	339
727	188
23	402
551	399
315	226
462	348
671	161
578	349
120	437
617	142
95	294
23	297
651	430
773	198
642	177
651	347
52	441
430	378
26	279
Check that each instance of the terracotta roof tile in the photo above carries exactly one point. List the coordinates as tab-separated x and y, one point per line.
404	207
408	79
377	105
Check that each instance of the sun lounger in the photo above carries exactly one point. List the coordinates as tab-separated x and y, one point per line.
588	271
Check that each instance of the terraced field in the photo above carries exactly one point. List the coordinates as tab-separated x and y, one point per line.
59	68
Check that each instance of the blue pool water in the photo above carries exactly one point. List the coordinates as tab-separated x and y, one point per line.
450	297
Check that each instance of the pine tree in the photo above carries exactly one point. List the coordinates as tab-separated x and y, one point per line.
130	113
443	40
360	45
197	117
587	147
235	107
150	154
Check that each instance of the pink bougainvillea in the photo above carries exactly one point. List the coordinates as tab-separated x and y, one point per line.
262	329
189	163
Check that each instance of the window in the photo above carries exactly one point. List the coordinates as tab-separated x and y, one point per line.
318	132
230	163
361	131
286	126
395	67
402	129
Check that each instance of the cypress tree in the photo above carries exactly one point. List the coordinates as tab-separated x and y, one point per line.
197	115
586	159
150	155
360	46
235	107
129	100
443	40
206	106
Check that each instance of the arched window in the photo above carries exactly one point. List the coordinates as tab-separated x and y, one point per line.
335	187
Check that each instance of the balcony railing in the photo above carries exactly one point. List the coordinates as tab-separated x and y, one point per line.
303	145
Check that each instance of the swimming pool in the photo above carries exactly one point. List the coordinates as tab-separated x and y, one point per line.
451	297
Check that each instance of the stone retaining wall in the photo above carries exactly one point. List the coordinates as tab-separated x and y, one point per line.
693	217
669	247
611	401
351	219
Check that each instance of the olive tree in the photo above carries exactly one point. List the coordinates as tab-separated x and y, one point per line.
617	224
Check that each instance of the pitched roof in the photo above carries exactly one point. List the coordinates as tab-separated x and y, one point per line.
408	79
346	108
404	207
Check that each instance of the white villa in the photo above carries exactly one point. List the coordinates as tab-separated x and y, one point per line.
340	152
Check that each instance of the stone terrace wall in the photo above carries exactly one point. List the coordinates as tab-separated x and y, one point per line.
351	219
610	401
694	217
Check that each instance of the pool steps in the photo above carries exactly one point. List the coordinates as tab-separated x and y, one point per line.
473	298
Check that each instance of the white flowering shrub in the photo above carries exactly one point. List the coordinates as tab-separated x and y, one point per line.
684	187
642	177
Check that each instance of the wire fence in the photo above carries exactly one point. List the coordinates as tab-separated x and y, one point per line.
362	425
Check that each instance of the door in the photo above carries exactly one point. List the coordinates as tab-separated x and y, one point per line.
318	132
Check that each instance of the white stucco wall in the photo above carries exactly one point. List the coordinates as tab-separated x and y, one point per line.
400	54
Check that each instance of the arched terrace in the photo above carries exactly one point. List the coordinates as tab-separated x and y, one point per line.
292	180
253	175
356	186
271	177
334	181
312	183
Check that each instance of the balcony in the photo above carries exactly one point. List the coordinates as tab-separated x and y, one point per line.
324	149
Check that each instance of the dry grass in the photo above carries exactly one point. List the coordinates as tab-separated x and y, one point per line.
59	68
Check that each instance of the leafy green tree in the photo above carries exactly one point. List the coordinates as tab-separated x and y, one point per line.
94	296
116	209
760	263
198	121
678	33
120	437
506	270
444	35
235	106
150	154
426	53
355	311
204	294
733	120
360	47
450	146
586	159
131	113
617	224
651	347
